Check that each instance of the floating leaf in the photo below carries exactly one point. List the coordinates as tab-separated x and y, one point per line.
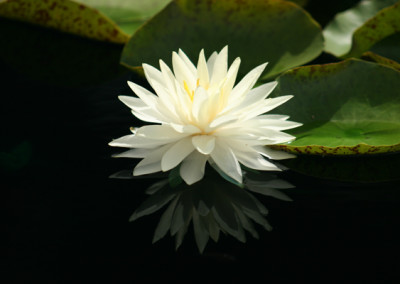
389	47
384	24
127	14
356	30
256	31
370	56
347	108
64	15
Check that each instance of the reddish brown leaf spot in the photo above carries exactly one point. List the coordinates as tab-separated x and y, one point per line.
101	21
42	16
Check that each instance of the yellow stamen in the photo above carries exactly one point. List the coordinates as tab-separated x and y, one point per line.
186	87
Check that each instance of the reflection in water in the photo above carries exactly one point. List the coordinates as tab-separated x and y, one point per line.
214	205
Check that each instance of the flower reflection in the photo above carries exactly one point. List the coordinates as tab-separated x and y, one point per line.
213	205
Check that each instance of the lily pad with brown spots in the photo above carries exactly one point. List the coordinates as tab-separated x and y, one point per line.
64	15
347	108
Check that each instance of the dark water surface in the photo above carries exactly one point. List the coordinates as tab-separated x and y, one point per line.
66	221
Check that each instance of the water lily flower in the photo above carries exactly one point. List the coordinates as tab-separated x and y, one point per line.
200	116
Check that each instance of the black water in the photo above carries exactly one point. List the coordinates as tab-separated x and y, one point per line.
66	221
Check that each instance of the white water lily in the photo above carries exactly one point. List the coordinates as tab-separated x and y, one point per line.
202	117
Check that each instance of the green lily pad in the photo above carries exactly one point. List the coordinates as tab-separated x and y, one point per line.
371	56
256	31
347	108
128	15
389	47
64	15
353	31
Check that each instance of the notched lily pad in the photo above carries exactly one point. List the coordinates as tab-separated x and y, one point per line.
384	24
64	15
356	30
257	31
339	32
347	108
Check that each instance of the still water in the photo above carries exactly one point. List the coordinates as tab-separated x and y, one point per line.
67	205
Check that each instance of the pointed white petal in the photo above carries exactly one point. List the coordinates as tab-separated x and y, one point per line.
132	102
159	132
188	128
264	107
204	143
202	71
211	62
220	67
149	115
182	72
278	124
134	141
179	151
152	162
225	159
243	87
199	108
169	79
147	97
188	62
258	94
255	161
273	154
274	116
193	167
134	153
153	75
230	78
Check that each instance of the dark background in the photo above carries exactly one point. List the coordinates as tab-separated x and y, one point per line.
66	221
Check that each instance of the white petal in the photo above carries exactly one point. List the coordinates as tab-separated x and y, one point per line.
274	116
176	154
230	78
255	161
258	94
225	159
193	167
147	97
182	72
242	88
220	67
188	129
199	108
152	162
273	154
202	71
278	124
204	143
169	80
134	153
149	115
132	102
264	107
134	141
188	62
153	75
159	132
211	62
